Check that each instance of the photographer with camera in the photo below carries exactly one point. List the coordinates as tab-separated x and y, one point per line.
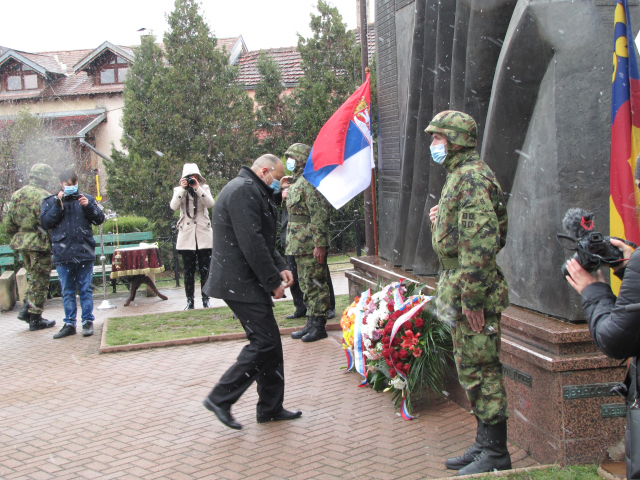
195	237
69	216
614	324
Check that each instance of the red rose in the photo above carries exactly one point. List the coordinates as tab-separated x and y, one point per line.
388	362
396	341
392	373
388	328
407	325
394	356
394	316
403	354
419	322
390	306
386	340
400	367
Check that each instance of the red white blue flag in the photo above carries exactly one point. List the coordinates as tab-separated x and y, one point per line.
341	159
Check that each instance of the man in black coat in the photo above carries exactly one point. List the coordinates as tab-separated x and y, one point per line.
614	329
246	272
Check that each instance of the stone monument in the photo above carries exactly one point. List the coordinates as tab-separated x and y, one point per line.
536	76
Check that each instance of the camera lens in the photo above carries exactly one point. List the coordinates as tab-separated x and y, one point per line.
192	182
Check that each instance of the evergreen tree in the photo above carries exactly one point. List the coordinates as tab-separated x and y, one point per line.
274	112
186	108
332	71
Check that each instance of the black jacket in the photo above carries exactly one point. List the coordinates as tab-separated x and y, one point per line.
614	330
70	226
245	265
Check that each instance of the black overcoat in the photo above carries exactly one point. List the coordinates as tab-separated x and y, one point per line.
245	265
615	330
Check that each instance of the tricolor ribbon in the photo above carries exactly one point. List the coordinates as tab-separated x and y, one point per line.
347	352
358	347
404	411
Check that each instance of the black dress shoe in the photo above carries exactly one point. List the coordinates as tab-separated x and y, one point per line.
297	314
223	415
281	415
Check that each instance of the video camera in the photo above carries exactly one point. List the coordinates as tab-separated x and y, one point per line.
71	197
592	248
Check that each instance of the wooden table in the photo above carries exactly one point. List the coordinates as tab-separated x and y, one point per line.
139	263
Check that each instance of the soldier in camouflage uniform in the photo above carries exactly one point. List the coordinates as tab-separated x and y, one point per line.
469	228
32	241
308	241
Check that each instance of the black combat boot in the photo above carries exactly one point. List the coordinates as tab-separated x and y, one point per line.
317	330
299	313
205	301
36	322
472	452
301	333
66	331
331	314
190	304
24	311
495	455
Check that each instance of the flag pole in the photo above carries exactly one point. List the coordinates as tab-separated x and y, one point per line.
370	210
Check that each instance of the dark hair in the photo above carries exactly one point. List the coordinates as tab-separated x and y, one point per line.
68	175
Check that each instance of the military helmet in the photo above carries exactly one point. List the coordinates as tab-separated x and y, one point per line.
299	151
42	172
458	128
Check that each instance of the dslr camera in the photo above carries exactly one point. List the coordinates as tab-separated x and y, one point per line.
71	197
190	180
592	248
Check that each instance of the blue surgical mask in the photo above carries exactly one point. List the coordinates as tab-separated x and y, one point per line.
71	190
291	164
275	185
438	153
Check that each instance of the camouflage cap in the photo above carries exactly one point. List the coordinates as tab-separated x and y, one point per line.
299	151
459	128
41	171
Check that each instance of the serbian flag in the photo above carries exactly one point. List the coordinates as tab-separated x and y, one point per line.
625	133
341	159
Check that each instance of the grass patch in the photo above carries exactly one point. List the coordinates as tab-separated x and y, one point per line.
195	323
574	472
339	262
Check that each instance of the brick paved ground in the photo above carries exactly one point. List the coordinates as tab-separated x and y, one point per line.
68	412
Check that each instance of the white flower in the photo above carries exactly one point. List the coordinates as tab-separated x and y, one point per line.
398	383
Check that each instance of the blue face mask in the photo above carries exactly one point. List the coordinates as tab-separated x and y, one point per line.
291	164
71	190
438	153
275	185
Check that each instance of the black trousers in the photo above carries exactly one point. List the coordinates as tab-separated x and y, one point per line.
189	258
296	291
261	361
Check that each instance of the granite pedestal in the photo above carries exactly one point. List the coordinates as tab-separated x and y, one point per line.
557	382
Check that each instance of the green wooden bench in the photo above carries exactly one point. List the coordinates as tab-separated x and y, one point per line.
7	257
111	241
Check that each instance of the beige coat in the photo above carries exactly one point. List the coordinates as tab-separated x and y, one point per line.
193	233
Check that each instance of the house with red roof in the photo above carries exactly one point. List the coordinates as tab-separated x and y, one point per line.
77	94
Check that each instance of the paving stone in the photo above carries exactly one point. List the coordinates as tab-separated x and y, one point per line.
69	412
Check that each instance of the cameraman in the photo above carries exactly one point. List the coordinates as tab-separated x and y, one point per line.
195	236
615	331
69	216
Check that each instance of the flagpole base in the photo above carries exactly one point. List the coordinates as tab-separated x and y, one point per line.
106	305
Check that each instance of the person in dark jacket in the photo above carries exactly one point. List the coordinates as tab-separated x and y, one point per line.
615	331
246	272
69	216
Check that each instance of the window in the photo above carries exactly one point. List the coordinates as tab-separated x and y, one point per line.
21	77
114	70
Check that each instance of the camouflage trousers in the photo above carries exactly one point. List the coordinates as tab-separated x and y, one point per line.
477	358
38	266
313	282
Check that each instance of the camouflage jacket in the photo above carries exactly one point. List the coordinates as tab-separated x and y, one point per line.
308	218
23	219
469	231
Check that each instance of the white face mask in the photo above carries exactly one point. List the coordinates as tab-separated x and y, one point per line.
439	153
